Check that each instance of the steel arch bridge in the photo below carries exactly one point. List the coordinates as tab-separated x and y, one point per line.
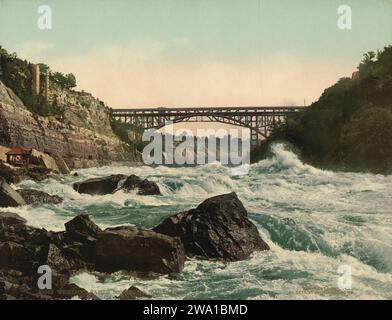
260	120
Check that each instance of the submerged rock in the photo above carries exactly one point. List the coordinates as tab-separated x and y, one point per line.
218	228
36	197
132	293
145	187
99	186
8	196
138	250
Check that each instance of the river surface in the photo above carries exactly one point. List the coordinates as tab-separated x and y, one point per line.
316	222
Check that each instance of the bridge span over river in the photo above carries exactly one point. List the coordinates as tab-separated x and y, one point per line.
260	120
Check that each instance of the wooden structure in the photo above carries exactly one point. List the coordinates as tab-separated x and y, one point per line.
19	157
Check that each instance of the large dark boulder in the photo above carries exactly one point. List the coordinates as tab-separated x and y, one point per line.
13	228
36	197
218	228
8	196
82	227
144	187
113	183
99	186
11	219
138	250
81	237
13	256
11	174
56	260
14	285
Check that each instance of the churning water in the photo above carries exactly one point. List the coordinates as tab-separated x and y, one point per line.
313	220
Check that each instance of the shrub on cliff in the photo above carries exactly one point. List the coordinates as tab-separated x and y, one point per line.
64	80
122	130
349	126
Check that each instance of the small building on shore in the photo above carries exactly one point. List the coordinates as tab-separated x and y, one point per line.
19	157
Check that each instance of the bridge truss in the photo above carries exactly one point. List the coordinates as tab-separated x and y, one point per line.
260	120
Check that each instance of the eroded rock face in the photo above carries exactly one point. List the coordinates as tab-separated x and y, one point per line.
36	197
130	248
99	186
8	196
217	229
83	137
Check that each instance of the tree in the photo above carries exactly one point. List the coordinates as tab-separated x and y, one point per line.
67	81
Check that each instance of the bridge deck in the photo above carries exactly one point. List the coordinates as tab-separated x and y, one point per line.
206	110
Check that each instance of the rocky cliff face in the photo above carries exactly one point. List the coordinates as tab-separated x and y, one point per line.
81	136
81	109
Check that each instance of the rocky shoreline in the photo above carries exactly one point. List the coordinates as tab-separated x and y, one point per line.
218	229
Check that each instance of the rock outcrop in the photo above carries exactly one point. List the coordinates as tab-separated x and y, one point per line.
138	250
113	183
82	246
218	228
8	196
16	174
99	186
144	187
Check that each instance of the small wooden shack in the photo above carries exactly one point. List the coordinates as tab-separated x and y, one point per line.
19	157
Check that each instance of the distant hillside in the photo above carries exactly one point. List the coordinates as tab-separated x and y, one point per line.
350	126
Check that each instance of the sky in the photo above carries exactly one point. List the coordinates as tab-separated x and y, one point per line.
150	53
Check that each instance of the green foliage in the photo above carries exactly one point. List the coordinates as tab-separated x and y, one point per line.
66	81
348	128
121	130
16	74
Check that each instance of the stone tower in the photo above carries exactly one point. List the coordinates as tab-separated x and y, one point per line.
46	87
35	81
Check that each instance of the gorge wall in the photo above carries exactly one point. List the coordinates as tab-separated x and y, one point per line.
81	135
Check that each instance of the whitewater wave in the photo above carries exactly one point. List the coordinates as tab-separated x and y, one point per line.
314	221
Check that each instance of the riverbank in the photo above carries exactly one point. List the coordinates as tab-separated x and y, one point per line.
349	127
